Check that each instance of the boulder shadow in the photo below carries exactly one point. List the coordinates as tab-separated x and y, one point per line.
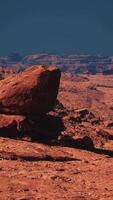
45	129
85	143
31	158
104	152
9	132
48	129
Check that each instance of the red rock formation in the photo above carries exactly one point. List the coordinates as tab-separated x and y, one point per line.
32	92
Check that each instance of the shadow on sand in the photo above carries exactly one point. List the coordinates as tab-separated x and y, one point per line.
48	129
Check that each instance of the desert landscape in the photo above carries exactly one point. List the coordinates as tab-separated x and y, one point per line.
56	100
56	146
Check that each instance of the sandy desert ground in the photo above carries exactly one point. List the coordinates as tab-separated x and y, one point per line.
77	165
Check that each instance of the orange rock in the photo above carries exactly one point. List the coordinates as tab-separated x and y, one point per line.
32	92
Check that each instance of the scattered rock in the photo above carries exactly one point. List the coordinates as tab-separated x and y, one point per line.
95	121
82	143
74	118
109	124
83	112
60	109
87	143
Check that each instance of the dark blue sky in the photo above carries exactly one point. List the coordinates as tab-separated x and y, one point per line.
56	26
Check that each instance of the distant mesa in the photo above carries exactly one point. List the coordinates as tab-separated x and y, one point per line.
108	72
78	64
14	57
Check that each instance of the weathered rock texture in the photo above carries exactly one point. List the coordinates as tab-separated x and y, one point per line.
32	92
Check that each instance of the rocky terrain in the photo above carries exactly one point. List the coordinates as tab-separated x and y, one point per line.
67	63
66	152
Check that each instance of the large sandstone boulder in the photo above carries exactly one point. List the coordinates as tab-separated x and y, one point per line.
32	92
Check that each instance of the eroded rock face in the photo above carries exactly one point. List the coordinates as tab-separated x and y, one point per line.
32	92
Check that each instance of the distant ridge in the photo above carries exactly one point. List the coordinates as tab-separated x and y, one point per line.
74	63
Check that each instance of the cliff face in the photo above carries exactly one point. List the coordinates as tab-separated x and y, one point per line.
68	63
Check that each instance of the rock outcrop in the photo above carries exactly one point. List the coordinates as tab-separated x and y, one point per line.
26	98
32	92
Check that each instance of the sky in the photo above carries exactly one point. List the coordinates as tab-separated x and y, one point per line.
56	26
